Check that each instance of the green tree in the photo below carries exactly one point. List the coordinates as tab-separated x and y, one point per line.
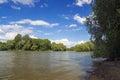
34	47
26	38
27	45
27	42
88	46
17	41
35	44
104	27
10	44
3	46
58	47
18	38
45	45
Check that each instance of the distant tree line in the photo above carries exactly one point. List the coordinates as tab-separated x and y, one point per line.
26	43
83	47
30	44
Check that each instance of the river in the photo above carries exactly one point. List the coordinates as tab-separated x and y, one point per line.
28	65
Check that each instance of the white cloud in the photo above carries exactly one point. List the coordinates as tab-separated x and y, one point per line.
80	42
67	42
8	32
48	34
3	1
35	23
4	17
79	19
59	30
72	25
81	2
15	7
25	2
69	30
65	17
91	15
30	3
32	36
44	5
77	29
15	28
1	31
7	36
10	35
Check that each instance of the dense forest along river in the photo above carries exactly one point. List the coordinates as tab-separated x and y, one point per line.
44	65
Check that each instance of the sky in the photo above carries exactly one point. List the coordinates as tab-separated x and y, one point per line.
60	21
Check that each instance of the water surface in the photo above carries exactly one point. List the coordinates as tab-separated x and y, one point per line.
45	65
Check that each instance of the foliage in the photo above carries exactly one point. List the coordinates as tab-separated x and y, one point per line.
88	46
3	46
27	43
104	27
58	47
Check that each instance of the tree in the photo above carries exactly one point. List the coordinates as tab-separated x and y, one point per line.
87	46
27	45
10	44
3	46
35	44
34	47
58	47
18	38
104	27
26	38
45	45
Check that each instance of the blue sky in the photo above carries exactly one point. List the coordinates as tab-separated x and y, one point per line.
56	20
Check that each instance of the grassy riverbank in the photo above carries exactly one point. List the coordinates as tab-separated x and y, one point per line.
107	70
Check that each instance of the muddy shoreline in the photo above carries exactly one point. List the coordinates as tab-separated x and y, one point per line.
106	70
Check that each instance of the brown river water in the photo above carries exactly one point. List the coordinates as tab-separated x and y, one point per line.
45	65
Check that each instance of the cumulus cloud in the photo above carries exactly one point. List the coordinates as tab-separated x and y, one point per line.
16	8
32	36
10	35
30	3
25	2
79	19
8	32
81	2
72	25
16	28
3	1
67	42
1	31
35	23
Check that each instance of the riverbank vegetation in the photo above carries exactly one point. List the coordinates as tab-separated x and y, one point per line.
26	43
104	27
83	47
29	44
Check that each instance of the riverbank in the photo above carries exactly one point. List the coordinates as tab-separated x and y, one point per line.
106	70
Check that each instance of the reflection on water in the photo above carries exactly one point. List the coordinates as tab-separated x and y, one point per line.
44	65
